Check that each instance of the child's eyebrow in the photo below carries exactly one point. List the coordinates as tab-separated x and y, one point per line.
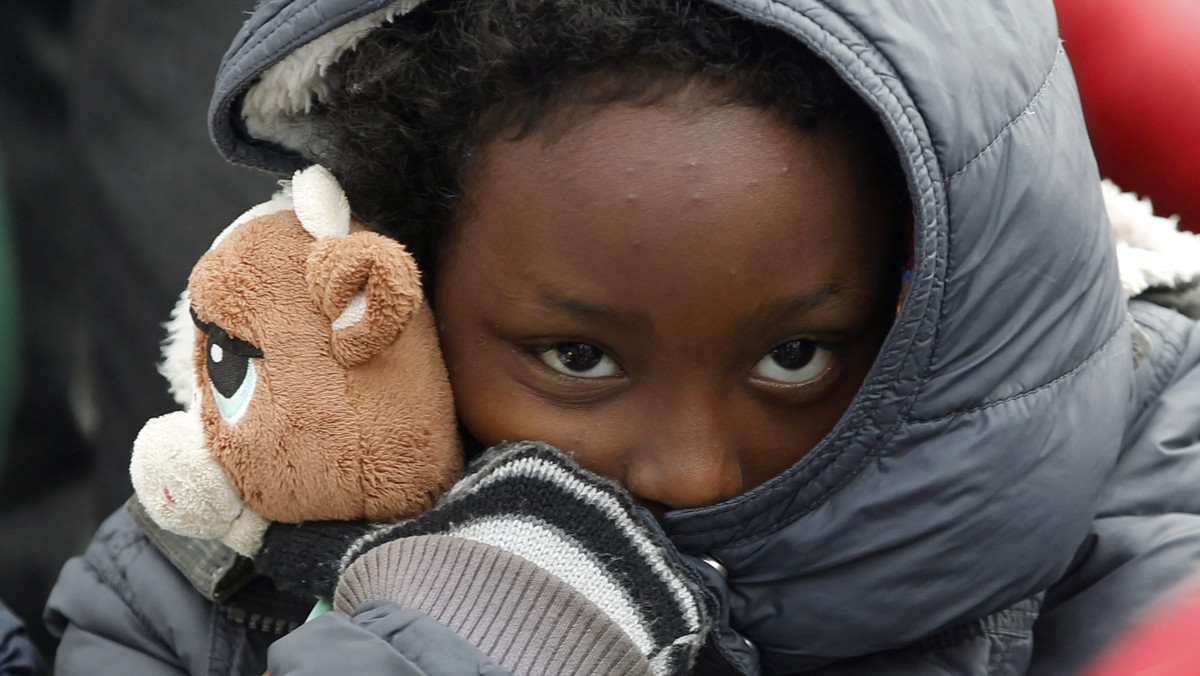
798	304
554	300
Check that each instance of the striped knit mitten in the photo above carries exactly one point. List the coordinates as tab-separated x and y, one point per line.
543	566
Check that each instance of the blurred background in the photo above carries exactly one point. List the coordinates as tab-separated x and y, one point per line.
113	191
1138	67
110	190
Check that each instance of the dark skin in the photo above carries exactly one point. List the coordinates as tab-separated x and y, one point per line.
684	296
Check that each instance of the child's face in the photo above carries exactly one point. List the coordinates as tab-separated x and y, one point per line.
685	297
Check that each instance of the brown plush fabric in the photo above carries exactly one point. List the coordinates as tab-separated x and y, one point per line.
351	424
340	267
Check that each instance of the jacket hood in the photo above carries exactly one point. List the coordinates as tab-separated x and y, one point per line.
965	475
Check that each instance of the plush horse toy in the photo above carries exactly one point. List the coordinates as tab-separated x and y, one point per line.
319	389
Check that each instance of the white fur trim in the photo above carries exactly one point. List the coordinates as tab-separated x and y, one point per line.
177	348
280	201
355	310
178	481
320	203
275	106
1151	250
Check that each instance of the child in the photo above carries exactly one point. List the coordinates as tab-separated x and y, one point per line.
892	417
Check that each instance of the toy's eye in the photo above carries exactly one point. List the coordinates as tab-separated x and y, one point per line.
230	372
582	360
794	362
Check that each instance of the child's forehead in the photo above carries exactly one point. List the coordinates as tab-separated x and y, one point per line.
680	156
635	193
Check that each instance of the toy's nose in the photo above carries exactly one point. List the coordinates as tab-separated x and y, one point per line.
167	495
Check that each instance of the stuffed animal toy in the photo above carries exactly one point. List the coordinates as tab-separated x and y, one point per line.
319	389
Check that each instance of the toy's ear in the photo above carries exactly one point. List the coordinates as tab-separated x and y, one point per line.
368	287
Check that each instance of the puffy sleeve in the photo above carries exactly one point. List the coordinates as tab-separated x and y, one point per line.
380	638
122	608
1145	540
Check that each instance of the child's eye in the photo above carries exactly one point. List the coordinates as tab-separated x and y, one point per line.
581	360
794	362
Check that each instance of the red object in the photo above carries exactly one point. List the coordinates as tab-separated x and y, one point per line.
1138	67
1166	644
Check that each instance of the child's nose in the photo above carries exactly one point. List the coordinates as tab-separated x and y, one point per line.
686	457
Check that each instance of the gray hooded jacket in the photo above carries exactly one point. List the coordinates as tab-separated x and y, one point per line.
1007	492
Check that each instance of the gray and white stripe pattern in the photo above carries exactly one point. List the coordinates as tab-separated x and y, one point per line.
530	501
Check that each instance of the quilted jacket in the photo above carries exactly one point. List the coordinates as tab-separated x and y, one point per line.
1008	490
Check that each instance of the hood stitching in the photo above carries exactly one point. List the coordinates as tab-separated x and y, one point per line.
936	356
283	7
248	81
1034	100
286	50
904	420
1060	58
1102	348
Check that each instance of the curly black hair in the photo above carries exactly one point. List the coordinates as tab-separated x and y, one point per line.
417	96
